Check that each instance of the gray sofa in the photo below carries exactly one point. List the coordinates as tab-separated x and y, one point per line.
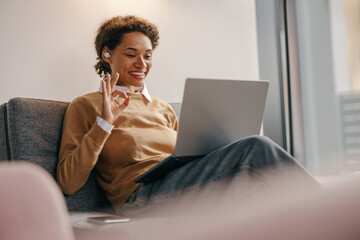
30	130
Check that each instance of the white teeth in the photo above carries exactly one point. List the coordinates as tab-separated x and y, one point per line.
137	73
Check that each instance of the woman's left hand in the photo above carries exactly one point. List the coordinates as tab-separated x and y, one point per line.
112	109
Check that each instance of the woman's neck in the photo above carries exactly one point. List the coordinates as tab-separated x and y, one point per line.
131	88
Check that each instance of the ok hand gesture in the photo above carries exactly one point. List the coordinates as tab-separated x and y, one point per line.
111	110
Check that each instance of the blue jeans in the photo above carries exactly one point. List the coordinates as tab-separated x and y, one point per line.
247	158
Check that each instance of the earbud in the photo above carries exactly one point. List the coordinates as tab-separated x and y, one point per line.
107	54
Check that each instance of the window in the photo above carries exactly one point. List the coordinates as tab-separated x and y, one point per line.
311	54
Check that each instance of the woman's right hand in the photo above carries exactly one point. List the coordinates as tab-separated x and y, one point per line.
112	109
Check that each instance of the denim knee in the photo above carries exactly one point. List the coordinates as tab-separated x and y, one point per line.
259	151
259	141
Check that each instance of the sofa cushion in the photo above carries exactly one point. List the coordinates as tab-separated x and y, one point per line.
34	128
177	108
4	153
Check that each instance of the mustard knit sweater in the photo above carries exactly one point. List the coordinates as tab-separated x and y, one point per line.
142	136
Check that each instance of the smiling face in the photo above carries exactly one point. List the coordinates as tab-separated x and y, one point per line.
132	59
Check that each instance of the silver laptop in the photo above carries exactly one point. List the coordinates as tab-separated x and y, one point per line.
214	113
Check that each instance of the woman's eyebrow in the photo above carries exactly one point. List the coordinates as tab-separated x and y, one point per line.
130	48
134	49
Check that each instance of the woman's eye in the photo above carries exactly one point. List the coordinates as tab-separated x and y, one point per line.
130	55
148	56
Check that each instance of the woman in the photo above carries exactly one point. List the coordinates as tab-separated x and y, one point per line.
121	131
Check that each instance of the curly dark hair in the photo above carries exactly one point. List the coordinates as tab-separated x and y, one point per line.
111	33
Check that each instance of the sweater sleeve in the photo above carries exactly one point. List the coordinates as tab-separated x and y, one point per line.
81	144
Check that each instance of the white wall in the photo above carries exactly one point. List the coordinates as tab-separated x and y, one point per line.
47	45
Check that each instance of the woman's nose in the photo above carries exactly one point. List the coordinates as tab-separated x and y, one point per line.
140	63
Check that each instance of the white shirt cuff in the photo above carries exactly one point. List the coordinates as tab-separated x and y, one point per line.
104	124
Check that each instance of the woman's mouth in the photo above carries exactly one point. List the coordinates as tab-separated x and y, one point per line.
137	75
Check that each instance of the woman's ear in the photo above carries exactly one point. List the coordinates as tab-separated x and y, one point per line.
106	54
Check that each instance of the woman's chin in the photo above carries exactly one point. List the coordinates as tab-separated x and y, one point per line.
138	83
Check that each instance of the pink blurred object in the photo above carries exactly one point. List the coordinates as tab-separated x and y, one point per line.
31	205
